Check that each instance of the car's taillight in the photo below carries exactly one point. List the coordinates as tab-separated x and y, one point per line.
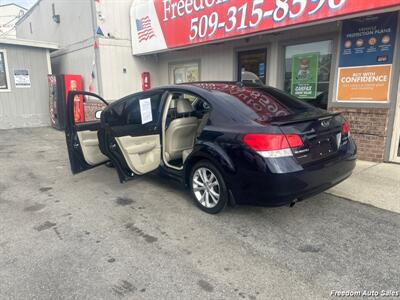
346	128
294	140
273	145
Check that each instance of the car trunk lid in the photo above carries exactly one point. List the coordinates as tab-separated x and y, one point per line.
320	131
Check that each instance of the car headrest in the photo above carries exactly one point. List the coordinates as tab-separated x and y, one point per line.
183	106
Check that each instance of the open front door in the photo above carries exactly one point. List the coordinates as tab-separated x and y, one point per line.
82	126
132	134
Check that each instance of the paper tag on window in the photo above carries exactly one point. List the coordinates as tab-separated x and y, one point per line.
145	110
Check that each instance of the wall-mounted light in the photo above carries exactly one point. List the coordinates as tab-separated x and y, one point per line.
56	18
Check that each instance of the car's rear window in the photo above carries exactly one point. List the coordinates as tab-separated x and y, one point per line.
261	103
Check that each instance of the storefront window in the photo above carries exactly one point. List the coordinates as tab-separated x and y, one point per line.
181	73
252	66
307	71
3	72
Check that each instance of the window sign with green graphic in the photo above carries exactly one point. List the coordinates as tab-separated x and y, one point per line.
305	75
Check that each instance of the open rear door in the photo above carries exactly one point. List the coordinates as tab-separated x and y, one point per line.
81	130
132	134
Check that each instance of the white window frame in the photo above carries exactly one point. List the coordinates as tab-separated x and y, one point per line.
182	64
4	51
322	38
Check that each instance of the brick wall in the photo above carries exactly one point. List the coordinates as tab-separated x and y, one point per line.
368	127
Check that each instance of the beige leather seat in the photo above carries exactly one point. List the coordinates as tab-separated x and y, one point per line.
181	132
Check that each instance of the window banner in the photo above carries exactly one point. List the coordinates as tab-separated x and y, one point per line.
158	25
305	75
366	57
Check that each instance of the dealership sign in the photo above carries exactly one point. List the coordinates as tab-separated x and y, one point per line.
366	58
158	25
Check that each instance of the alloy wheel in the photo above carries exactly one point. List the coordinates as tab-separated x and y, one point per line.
206	187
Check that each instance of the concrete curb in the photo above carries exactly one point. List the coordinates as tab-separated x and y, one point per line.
376	184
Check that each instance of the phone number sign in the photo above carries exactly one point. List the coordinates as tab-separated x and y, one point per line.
165	24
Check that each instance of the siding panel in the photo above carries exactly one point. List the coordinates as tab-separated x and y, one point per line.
25	107
75	22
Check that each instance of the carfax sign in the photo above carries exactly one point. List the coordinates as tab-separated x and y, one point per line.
158	25
305	75
366	58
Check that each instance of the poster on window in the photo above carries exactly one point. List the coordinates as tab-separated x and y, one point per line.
179	75
366	58
364	83
145	110
305	75
22	79
185	73
192	74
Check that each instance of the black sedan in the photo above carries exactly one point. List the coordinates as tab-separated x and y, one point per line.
228	142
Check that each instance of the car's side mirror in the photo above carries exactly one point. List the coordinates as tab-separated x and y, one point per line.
98	114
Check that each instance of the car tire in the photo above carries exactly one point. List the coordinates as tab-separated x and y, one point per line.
208	187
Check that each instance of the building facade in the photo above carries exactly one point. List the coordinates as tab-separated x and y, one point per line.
9	15
341	55
24	93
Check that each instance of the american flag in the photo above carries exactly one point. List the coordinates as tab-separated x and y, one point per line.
144	29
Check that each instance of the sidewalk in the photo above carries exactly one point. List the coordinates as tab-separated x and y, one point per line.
377	184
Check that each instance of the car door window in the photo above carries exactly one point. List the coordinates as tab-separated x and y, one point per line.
83	112
201	109
92	108
199	104
135	131
134	113
127	111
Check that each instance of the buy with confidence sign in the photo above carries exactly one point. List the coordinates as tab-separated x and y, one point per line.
366	58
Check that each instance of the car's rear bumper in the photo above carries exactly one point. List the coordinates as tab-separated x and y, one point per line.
271	189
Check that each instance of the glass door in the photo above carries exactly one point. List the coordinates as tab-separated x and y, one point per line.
252	66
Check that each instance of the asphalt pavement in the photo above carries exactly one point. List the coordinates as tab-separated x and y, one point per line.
90	237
